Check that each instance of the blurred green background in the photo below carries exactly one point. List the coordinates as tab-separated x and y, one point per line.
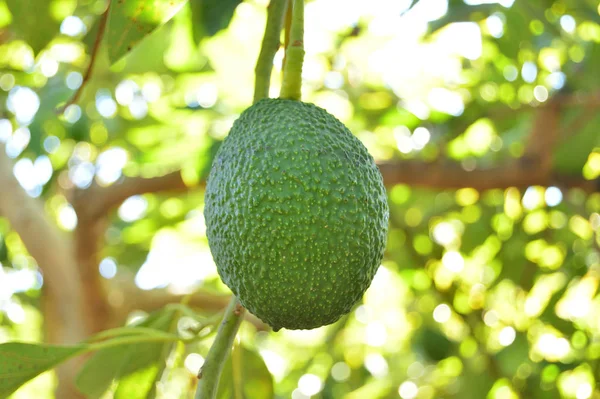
483	116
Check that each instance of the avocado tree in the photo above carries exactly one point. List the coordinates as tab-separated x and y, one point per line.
481	118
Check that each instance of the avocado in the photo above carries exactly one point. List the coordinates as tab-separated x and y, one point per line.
296	214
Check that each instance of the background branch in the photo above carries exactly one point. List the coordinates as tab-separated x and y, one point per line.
48	247
96	201
67	319
450	175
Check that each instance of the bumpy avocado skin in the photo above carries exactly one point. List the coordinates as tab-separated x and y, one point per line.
296	214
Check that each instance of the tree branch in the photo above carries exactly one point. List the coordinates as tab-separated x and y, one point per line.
579	99
96	201
543	137
450	175
48	247
67	319
92	206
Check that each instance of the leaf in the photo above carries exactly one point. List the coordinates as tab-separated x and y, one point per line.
513	356
3	249
515	33
130	21
476	384
571	156
136	367
20	362
254	375
211	16
550	317
32	22
461	13
139	384
432	343
98	373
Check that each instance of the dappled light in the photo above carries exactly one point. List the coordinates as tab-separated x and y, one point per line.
481	116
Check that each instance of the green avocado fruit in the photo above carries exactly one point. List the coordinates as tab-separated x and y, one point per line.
296	214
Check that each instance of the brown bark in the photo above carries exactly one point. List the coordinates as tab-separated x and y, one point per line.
533	169
96	201
49	248
87	241
450	175
92	207
66	316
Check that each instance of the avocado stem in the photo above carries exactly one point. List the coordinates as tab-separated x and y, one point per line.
294	55
210	373
270	45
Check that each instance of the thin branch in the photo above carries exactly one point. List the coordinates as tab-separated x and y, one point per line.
270	45
579	99
287	27
93	55
291	87
450	175
96	201
210	373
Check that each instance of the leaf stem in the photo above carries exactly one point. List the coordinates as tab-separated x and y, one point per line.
294	54
270	45
210	372
94	53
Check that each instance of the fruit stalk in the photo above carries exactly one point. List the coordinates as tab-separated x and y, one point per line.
270	45
294	55
210	372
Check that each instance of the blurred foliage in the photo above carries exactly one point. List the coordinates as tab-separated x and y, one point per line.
481	295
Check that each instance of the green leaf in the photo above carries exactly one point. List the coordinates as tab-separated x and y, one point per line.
20	362
572	154
432	344
32	22
211	16
462	13
475	384
130	21
135	367
98	373
513	356
139	384
254	376
516	32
